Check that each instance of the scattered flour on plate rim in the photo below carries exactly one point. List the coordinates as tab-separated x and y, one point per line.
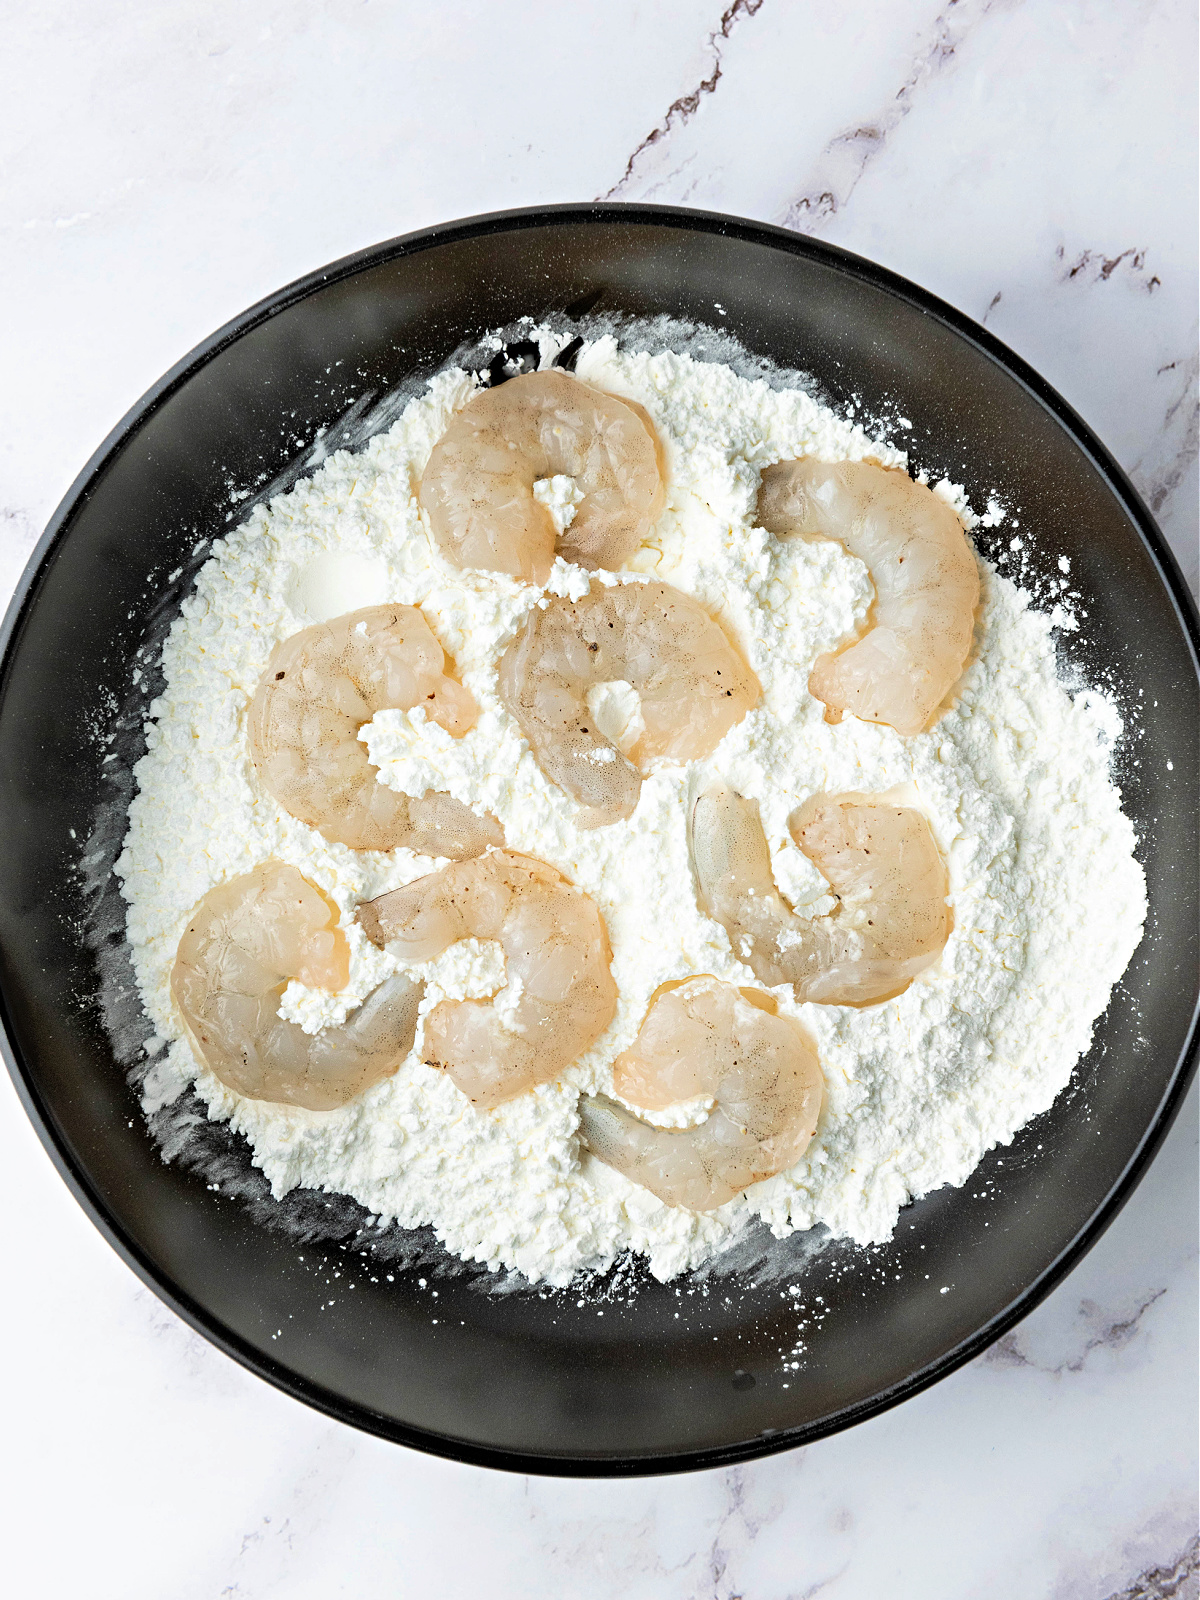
1048	899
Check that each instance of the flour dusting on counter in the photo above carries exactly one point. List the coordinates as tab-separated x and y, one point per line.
1048	900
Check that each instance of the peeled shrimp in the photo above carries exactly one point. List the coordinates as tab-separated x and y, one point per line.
705	1037
243	942
925	576
693	685
557	954
882	863
478	486
320	687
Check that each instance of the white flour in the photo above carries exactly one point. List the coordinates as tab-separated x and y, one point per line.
1048	900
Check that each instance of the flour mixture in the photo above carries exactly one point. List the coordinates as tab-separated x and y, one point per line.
1011	786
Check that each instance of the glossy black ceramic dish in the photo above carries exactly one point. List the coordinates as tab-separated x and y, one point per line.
520	1381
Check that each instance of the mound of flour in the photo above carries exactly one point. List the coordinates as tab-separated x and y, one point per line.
1048	899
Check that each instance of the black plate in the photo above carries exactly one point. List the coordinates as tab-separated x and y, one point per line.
520	1381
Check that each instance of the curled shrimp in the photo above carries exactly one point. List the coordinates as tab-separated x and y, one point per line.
478	485
693	685
926	584
706	1037
559	994
242	943
881	861
320	687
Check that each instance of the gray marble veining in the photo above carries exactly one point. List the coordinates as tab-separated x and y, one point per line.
685	106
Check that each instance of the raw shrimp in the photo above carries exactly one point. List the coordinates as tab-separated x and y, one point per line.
881	861
243	942
926	585
320	687
560	991
705	1037
693	685
478	486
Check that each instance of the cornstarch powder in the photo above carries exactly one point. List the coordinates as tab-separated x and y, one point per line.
1048	899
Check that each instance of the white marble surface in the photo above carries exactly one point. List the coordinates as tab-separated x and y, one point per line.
165	164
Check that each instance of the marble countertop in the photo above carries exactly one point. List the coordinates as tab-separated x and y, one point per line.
164	165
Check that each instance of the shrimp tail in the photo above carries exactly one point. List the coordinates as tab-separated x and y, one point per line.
676	1166
386	1021
440	825
623	1141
